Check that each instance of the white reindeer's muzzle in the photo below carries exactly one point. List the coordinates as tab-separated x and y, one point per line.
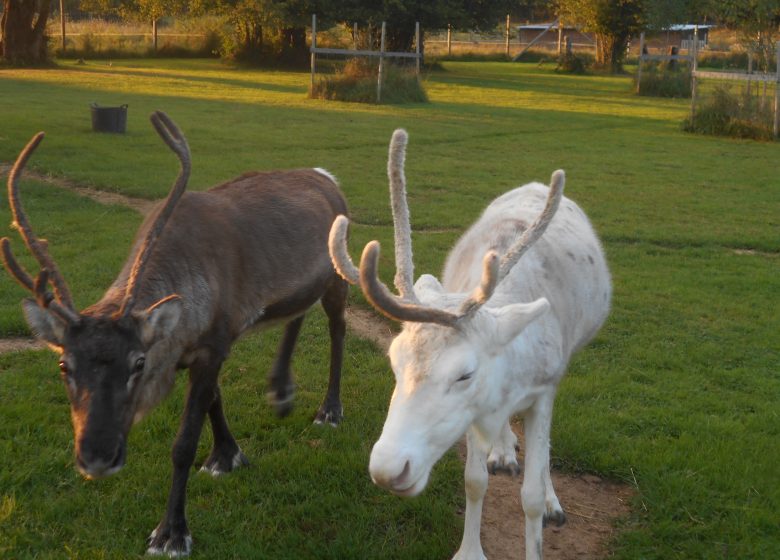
400	473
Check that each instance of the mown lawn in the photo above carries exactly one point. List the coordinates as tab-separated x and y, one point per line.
679	395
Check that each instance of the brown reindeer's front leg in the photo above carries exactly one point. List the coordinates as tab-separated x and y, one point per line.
226	455
172	537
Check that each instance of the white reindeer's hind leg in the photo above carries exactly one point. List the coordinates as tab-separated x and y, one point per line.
537	451
503	455
476	477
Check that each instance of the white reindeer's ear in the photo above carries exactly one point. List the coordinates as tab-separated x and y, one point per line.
428	283
512	319
157	321
44	324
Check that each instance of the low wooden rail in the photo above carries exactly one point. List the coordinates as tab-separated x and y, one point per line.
748	77
381	53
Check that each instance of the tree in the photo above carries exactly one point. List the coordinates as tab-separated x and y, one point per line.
401	15
611	21
23	27
152	11
757	24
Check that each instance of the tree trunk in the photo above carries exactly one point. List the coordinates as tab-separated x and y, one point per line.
23	24
610	51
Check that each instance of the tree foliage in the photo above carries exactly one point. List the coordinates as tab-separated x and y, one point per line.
757	23
613	22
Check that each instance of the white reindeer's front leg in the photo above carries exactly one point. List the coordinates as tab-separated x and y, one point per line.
476	477
537	451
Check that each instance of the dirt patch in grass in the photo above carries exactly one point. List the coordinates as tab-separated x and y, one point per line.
140	205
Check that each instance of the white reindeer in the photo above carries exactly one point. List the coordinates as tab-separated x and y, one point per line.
473	352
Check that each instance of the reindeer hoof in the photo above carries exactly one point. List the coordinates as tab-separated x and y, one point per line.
511	469
330	416
283	404
219	463
166	542
557	517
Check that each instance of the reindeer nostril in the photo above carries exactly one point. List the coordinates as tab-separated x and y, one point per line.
401	478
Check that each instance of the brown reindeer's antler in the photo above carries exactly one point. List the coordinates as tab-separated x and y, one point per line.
173	137
60	302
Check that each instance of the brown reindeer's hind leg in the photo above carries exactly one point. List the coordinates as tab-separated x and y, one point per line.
282	386
334	301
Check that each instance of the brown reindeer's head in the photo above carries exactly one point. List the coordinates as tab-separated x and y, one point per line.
103	355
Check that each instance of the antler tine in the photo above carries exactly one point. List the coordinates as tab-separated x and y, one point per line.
173	137
37	286
391	305
337	246
46	299
539	226
486	287
14	268
36	246
404	264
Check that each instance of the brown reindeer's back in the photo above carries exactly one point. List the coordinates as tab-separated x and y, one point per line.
230	252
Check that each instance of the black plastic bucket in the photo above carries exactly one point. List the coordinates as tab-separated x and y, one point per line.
109	119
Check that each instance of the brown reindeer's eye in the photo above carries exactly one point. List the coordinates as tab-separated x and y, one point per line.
139	364
64	368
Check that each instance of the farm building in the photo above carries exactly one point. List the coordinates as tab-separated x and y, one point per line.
678	35
528	32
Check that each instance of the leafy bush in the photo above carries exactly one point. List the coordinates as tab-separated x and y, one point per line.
571	63
736	115
664	80
356	82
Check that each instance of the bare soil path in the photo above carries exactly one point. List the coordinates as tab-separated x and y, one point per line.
592	505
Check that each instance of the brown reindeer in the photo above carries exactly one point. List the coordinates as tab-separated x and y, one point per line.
204	268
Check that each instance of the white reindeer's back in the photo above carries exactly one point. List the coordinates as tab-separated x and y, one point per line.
566	265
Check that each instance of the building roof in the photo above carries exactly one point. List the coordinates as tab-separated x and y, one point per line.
687	26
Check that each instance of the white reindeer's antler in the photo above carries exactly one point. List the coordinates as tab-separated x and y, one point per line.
535	231
406	306
337	244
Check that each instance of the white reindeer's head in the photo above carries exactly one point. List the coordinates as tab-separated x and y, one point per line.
450	342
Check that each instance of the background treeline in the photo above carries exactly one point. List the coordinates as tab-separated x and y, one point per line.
276	30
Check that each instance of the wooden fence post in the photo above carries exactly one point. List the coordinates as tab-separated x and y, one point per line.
694	66
508	35
417	46
640	60
381	65
449	40
62	23
776	127
313	46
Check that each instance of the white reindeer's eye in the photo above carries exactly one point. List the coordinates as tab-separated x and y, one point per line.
465	377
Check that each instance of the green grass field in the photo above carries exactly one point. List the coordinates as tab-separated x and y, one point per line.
679	395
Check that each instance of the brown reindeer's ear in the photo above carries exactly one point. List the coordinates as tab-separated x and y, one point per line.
157	321
45	325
